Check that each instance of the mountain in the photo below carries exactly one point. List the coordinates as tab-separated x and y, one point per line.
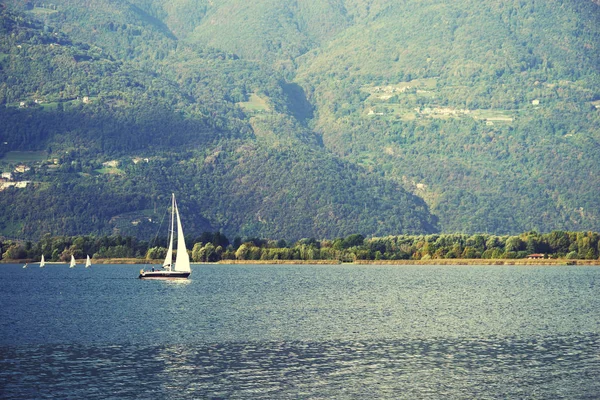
487	105
291	119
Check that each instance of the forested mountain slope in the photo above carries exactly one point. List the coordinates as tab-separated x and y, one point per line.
489	106
302	118
120	132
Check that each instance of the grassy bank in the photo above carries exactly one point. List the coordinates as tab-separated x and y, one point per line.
453	261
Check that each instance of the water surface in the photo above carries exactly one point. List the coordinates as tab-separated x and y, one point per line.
264	332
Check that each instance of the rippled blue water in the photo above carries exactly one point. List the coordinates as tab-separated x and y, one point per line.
301	332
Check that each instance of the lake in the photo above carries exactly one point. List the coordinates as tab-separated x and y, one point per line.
301	332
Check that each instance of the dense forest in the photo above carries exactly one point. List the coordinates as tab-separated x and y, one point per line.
214	246
289	119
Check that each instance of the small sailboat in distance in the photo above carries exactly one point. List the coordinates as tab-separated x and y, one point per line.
181	269
42	262
88	263
25	266
73	264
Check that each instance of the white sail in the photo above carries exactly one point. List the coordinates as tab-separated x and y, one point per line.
42	262
88	263
182	263
169	258
72	262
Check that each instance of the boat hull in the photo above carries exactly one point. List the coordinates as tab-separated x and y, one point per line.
163	275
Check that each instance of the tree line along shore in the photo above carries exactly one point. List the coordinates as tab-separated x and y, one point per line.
554	248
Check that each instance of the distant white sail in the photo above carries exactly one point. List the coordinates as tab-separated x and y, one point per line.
182	263
88	263
73	264
42	262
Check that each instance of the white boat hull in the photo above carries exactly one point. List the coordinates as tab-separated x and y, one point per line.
163	275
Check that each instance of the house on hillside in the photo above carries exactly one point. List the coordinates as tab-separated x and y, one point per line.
138	159
18	185
110	164
7	175
22	168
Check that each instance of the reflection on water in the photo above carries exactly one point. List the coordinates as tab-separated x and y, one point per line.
318	332
455	369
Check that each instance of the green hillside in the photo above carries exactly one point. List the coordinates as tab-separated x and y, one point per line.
290	119
121	134
485	106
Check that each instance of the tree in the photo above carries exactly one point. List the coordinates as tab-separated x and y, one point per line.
558	241
156	253
242	252
353	240
197	253
513	244
209	253
476	242
470	252
15	252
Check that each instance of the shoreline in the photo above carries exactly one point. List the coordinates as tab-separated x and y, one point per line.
453	261
445	261
483	262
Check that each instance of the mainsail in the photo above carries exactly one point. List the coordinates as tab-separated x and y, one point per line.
42	262
182	263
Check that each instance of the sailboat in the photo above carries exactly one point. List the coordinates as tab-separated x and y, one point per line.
73	264
181	269
26	265
88	263
42	262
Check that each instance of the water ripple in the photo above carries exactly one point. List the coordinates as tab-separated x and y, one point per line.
549	367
